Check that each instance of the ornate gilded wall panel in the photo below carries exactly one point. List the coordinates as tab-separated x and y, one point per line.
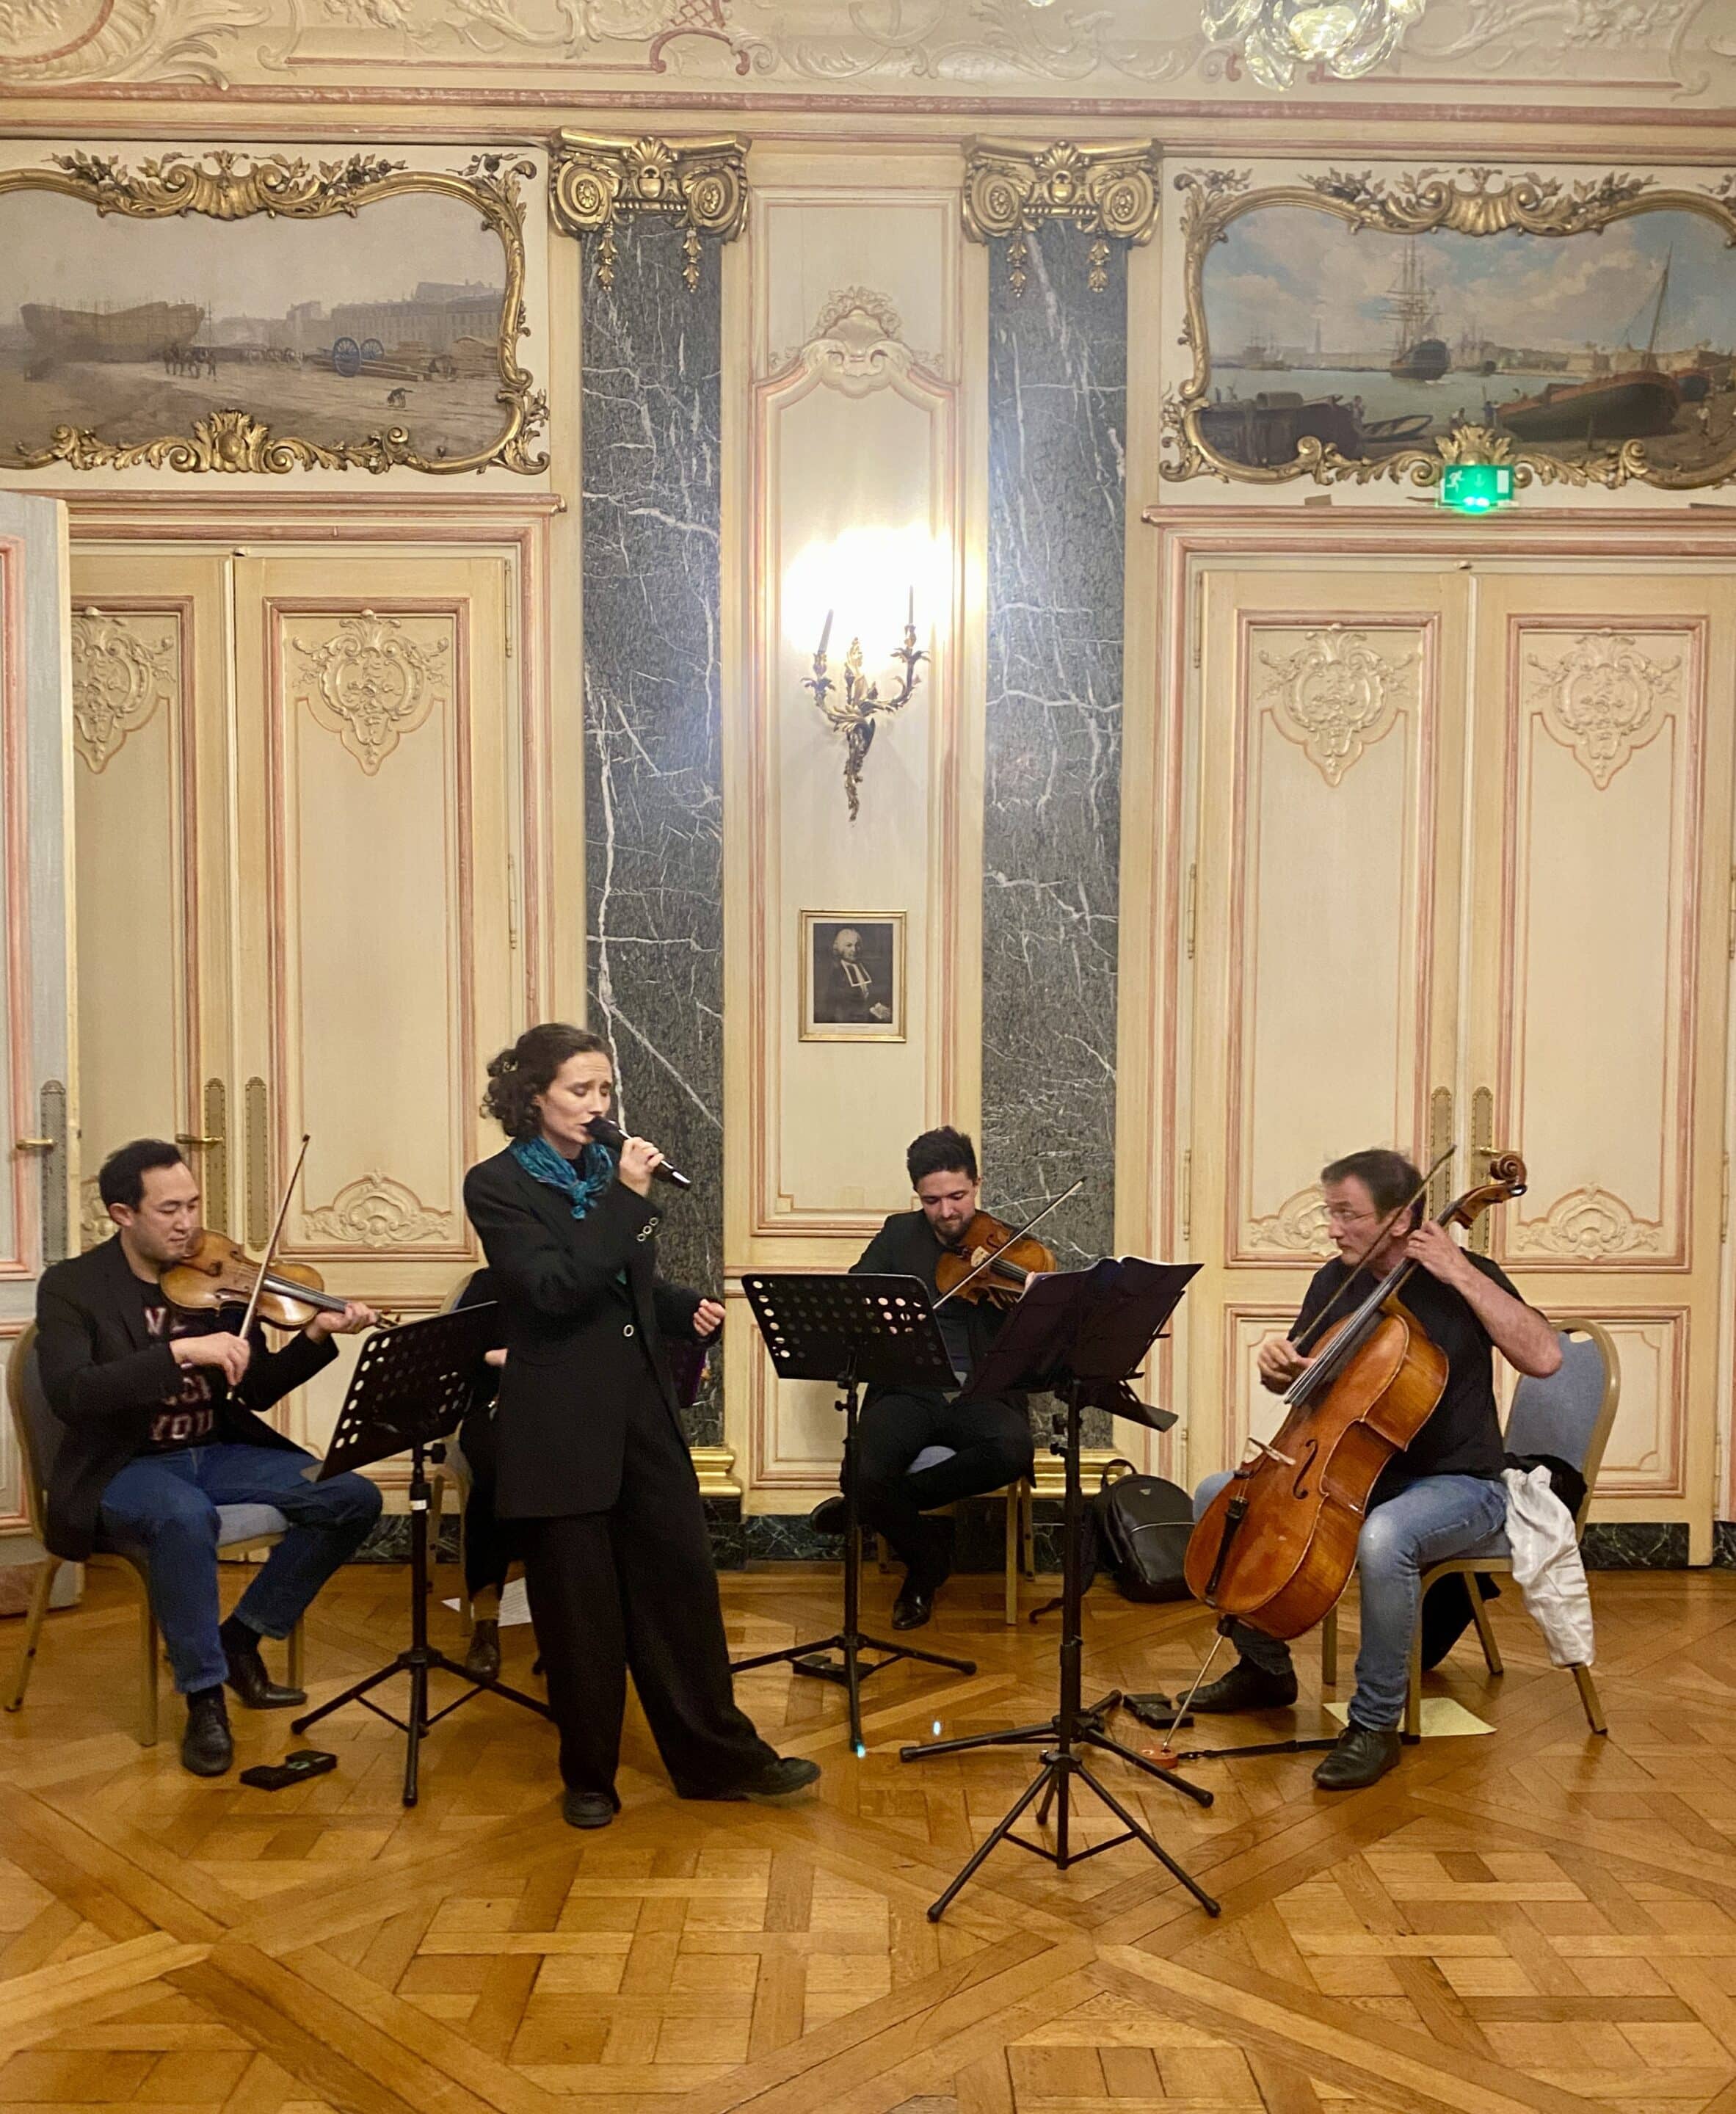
1370	326
1604	766
1332	796
359	362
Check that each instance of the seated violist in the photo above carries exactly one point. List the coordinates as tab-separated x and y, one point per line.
989	1441
1438	1498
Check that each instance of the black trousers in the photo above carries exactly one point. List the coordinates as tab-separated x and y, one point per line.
488	1544
635	1588
992	1447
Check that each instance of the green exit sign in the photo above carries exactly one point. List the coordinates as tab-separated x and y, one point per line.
1475	487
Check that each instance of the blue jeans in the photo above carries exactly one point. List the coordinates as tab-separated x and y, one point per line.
166	1504
1424	1523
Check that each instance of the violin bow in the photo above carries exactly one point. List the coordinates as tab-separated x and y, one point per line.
271	1246
1378	1234
1053	1204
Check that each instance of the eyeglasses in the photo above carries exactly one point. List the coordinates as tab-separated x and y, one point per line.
1337	1214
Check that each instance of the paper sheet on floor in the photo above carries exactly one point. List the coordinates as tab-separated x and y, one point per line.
1442	1719
514	1603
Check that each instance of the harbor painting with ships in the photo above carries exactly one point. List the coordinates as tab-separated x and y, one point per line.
332	329
1375	343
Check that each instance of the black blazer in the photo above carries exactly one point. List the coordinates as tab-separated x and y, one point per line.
907	1245
106	1379
581	1345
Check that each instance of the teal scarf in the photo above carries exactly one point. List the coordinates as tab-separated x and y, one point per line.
583	1186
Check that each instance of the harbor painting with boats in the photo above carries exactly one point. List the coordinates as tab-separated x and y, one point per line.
1375	343
333	329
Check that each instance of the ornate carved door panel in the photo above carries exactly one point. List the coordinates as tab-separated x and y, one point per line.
1323	922
150	695
1600	939
37	1080
377	934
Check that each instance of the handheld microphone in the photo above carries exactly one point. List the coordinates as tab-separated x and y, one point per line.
610	1133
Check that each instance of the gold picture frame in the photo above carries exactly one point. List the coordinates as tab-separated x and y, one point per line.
853	993
227	186
1478	202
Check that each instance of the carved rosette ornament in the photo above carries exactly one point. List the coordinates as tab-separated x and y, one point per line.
374	1211
1473	202
370	682
1603	698
1108	193
1586	1225
224	185
700	184
121	674
1336	695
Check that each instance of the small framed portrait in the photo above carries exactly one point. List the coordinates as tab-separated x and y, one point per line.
853	976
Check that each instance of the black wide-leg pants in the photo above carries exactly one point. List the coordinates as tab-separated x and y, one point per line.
633	1589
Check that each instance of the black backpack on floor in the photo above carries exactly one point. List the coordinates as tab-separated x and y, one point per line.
1136	1527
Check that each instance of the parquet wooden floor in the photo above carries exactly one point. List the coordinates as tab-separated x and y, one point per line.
1538	1920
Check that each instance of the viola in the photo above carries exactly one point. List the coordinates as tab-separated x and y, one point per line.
1013	1260
219	1273
1276	1547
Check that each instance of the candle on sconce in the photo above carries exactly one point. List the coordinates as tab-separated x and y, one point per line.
825	637
910	612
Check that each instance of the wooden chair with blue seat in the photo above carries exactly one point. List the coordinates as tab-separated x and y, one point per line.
1569	1414
1019	1560
242	1530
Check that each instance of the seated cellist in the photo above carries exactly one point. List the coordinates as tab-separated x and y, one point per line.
1439	1497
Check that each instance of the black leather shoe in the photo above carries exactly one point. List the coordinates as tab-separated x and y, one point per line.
780	1776
1246	1687
483	1658
1361	1757
247	1675
206	1748
831	1516
915	1605
586	1808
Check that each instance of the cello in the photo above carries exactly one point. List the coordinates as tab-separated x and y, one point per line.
1276	1546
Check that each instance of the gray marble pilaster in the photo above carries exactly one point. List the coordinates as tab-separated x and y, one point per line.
651	353
1051	826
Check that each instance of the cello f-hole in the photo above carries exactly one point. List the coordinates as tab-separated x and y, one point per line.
1299	1488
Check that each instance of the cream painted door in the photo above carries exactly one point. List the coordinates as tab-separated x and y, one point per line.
1601	938
36	1050
150	641
375	960
1326	746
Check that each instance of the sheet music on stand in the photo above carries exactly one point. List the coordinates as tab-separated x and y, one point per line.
411	1386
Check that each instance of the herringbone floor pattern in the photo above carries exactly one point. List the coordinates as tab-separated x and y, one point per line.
1538	1920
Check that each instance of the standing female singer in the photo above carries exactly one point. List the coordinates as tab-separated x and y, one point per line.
593	1469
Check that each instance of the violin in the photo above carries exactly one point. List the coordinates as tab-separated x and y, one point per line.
1276	1547
1012	1260
219	1272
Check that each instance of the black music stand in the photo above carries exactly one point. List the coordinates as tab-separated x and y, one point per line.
1080	1334
857	1331
410	1390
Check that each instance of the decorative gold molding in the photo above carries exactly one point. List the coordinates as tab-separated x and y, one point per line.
370	683
594	179
1588	1225
1335	696
374	1211
1476	202
1298	1227
224	185
1603	697
119	678
715	1466
1106	192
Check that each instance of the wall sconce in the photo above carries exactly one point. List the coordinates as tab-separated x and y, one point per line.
853	715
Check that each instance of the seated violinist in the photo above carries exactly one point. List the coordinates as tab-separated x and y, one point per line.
1438	1498
159	1407
991	1441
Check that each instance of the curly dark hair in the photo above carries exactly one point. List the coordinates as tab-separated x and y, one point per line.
518	1075
946	1151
